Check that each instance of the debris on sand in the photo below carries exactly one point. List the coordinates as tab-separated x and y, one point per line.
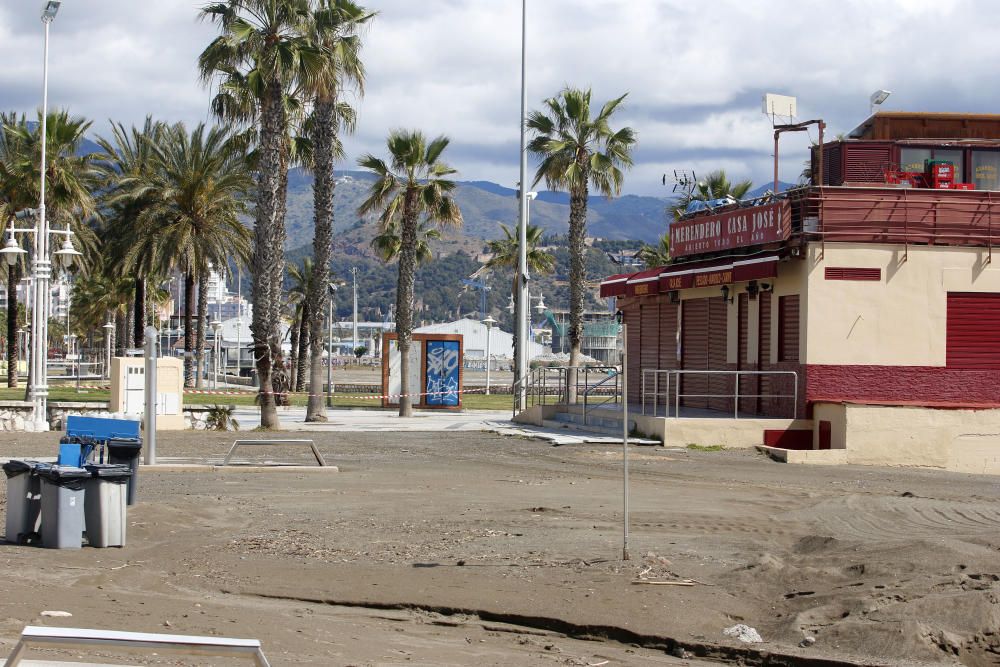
57	614
807	642
744	633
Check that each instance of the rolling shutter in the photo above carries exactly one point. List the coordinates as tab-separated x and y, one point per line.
748	383
788	328
633	318
973	331
694	350
668	335
649	354
718	329
764	349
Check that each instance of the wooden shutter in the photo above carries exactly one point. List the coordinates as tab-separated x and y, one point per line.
634	320
694	349
747	384
649	354
788	328
718	330
764	350
973	339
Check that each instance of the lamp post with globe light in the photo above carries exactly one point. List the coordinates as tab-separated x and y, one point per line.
41	273
217	328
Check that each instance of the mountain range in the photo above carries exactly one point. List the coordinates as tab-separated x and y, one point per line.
485	206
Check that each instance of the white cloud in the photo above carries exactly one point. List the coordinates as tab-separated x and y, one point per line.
694	71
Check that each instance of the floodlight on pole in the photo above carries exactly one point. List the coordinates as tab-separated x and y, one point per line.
50	10
877	98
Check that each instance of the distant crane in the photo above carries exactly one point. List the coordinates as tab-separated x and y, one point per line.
483	289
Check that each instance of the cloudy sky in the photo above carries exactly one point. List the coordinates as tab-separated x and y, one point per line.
694	71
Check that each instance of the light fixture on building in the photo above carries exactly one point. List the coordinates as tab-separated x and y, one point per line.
752	290
675	296
725	294
766	287
877	98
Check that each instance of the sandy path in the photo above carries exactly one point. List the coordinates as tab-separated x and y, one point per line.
427	543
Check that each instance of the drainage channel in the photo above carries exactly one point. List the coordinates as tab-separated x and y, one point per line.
728	654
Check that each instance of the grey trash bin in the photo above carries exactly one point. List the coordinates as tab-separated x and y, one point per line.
62	506
125	451
104	504
23	501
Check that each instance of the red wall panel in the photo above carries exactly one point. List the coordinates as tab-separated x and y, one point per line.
973	331
903	385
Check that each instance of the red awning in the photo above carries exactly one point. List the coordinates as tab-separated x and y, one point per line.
644	282
706	273
722	271
614	285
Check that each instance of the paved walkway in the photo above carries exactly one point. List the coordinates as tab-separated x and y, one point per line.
358	421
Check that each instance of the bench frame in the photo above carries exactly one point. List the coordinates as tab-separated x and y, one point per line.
42	637
242	443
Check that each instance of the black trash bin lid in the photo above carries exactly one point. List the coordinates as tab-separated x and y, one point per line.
125	443
17	467
57	474
109	470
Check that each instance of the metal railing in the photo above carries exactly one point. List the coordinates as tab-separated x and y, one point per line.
676	396
594	386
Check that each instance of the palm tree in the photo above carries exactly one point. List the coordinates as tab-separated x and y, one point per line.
715	186
197	193
658	255
301	329
335	24
387	243
578	152
412	186
263	54
70	180
129	153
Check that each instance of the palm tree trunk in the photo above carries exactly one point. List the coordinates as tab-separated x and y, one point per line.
324	131
293	365
140	309
267	264
199	339
13	278
303	357
577	275
129	334
189	282
404	299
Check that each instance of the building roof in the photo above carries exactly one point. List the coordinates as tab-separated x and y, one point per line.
892	125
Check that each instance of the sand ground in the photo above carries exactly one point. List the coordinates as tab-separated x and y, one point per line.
473	548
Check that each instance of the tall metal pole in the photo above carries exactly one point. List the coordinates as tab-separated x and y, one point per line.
354	340
41	271
625	554
329	357
150	407
521	351
239	320
489	327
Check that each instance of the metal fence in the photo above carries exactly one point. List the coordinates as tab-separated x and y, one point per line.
670	382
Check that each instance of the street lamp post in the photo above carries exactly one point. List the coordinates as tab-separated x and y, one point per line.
41	264
521	326
489	322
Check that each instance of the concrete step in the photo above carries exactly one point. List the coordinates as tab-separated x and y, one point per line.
612	431
593	421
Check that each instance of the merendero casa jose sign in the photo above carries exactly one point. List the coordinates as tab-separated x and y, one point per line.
733	229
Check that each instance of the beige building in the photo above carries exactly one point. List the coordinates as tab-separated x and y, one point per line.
860	318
